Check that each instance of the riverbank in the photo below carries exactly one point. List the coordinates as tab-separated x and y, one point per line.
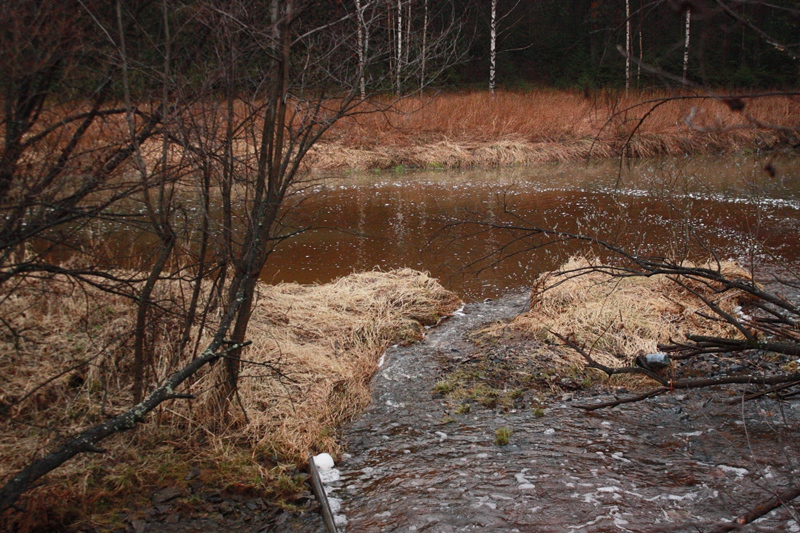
478	130
314	351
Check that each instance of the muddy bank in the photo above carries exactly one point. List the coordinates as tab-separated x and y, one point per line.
415	463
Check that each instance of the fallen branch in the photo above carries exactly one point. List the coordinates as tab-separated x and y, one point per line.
668	384
759	511
759	394
619	401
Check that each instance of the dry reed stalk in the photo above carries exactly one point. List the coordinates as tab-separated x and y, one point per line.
325	339
620	318
477	130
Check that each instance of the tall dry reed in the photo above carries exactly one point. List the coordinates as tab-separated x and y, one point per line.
477	129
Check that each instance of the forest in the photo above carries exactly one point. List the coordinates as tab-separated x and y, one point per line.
157	156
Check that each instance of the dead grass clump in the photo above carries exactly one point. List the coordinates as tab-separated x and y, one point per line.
327	340
620	318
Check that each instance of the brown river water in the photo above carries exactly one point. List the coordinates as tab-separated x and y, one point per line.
679	462
396	219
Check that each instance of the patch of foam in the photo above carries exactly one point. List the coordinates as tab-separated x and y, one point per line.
329	476
738	472
618	456
323	461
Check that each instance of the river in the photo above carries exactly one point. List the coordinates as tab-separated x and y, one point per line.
669	207
679	462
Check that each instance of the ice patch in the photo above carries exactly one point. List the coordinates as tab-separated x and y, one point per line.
382	360
459	311
324	461
549	431
442	436
618	457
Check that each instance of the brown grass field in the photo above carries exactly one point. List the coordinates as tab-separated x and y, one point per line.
325	340
476	129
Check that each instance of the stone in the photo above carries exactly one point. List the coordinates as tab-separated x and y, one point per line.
167	494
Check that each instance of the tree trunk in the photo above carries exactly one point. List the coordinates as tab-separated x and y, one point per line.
686	44
493	47
399	58
424	46
360	23
627	45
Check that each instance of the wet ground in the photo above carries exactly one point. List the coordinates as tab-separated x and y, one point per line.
419	461
680	462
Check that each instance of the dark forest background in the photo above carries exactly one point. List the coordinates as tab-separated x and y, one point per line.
574	43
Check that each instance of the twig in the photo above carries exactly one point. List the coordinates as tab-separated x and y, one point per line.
759	394
620	401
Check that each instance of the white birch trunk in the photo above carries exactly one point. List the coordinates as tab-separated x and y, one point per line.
399	61
360	22
424	46
407	35
686	45
627	45
493	47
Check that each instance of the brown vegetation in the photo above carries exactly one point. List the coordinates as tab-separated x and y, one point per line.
477	129
314	351
617	318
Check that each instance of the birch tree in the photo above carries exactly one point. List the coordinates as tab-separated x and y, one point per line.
627	45
493	47
686	42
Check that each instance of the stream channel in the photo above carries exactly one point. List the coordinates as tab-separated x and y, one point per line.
679	462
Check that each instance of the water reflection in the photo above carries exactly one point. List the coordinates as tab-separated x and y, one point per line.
665	208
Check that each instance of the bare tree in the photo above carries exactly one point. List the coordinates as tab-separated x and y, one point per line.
287	71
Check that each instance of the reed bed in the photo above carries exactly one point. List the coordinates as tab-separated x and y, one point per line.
477	129
65	365
617	319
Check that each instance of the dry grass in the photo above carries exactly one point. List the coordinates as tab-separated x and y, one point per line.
620	318
325	340
478	130
475	129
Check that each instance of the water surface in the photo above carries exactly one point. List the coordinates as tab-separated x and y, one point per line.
732	207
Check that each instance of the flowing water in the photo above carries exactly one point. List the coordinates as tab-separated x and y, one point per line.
680	462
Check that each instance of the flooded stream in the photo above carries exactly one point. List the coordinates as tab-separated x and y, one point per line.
679	462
